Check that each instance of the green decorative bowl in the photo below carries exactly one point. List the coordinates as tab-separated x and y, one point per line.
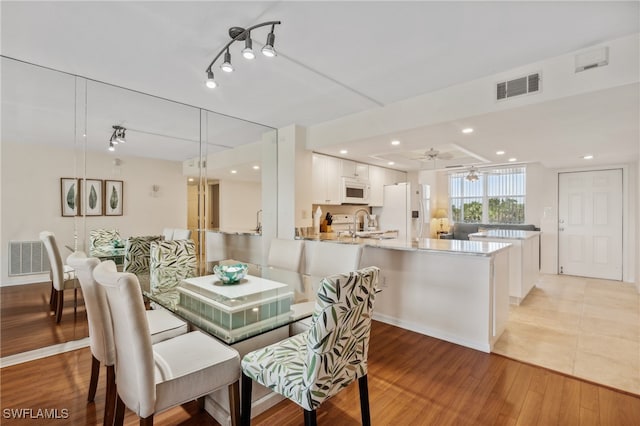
230	274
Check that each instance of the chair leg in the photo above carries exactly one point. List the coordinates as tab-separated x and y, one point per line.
201	403
59	306
245	418
310	418
110	398
364	400
234	402
147	421
93	383
75	301
52	299
118	419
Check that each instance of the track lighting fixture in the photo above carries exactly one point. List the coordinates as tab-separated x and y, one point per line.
236	34
118	136
226	65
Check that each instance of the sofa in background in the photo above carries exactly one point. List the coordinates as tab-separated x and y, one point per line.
461	231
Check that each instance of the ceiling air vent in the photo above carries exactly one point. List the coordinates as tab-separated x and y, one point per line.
518	86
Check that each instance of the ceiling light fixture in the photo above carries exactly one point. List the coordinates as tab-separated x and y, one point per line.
467	130
395	142
391	163
226	65
343	151
472	176
241	34
499	152
256	167
512	159
118	136
588	157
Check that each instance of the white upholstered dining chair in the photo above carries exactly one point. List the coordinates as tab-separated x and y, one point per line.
285	254
334	258
62	276
152	378
162	326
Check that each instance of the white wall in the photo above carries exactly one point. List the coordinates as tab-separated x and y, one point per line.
239	204
31	197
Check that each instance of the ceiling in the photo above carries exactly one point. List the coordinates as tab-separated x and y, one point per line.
334	59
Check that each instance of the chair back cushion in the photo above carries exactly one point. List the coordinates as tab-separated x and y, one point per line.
95	301
333	258
171	262
181	234
167	233
137	253
103	237
285	254
134	353
338	340
55	260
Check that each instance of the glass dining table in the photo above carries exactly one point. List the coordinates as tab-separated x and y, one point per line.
266	299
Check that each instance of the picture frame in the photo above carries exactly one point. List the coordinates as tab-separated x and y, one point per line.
69	197
92	198
113	197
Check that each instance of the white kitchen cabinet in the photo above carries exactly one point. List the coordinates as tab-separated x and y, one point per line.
325	179
354	170
377	179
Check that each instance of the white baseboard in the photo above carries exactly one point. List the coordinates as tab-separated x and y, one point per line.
73	345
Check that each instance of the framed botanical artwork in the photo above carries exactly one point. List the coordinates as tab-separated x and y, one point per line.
113	197
69	196
92	199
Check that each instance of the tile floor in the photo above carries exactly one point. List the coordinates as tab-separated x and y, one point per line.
585	327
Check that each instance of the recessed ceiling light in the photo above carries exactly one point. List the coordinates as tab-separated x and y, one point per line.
499	152
343	151
512	159
467	130
391	163
588	157
395	142
256	167
190	179
234	172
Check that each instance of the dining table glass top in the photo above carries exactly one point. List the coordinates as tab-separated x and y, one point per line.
266	299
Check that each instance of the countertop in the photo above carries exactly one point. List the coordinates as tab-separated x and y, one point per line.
505	234
236	231
464	247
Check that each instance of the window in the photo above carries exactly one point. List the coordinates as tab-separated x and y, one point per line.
498	196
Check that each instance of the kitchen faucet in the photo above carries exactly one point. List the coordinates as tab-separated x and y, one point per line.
355	219
258	224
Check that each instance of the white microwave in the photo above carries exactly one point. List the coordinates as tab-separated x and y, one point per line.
354	191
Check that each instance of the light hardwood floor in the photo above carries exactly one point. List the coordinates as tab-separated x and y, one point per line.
413	379
584	327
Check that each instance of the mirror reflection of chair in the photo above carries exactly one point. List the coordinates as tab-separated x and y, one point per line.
285	254
171	262
167	233
137	254
162	326
62	276
181	234
153	378
313	366
102	238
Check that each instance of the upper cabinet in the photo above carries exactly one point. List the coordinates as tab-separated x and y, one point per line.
354	170
325	179
378	178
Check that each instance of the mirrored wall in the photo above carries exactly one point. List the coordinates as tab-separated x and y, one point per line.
179	166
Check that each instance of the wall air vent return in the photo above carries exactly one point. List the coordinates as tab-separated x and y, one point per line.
518	86
592	59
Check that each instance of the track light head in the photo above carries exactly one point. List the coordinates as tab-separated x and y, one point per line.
226	65
268	49
211	83
247	52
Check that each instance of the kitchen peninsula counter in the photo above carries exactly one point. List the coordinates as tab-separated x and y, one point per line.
463	247
452	290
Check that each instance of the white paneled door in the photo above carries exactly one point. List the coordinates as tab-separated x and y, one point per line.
590	224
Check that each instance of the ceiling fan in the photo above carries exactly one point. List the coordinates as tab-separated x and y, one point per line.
433	155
